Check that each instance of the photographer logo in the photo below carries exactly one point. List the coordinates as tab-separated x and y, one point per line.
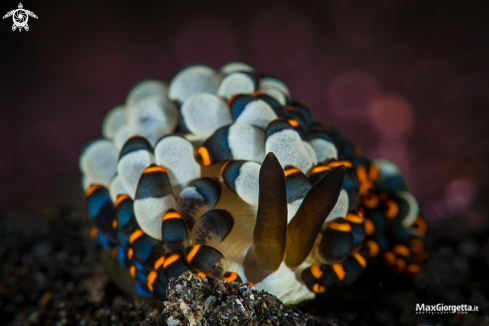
445	309
20	17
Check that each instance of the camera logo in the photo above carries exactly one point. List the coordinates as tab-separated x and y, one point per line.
20	17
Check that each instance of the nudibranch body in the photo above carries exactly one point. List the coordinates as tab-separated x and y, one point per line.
223	174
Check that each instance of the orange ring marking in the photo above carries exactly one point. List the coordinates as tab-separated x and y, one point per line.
170	260
354	218
343	227
151	280
372	248
294	123
334	164
91	189
420	225
291	171
371	201
171	215
360	259
392	209
401	250
369	227
93	232
193	252
231	278
231	99
373	173
320	168
316	271
224	167
135	235
120	199
413	269
152	169
318	288
365	187
339	271
361	173
159	262
203	153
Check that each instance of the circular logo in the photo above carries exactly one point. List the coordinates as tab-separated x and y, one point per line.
20	17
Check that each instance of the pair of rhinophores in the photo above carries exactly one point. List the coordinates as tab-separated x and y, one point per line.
223	174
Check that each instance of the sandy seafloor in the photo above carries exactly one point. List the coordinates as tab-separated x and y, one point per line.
52	274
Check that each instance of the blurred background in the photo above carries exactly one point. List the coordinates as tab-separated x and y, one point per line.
406	80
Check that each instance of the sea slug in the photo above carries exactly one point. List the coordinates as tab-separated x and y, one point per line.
222	173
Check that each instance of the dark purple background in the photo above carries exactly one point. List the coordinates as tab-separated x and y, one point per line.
407	80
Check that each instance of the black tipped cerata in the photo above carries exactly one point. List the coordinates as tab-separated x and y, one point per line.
208	188
126	221
318	278
301	113
147	251
350	182
354	267
318	133
101	211
213	227
216	148
126	227
274	104
277	126
391	184
134	144
230	173
206	259
155	285
332	275
270	230
356	221
305	225
238	103
174	265
173	232
295	120
231	277
311	276
337	241
395	208
154	183
201	194
160	271
297	183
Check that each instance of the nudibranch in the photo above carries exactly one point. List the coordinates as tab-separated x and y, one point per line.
222	173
